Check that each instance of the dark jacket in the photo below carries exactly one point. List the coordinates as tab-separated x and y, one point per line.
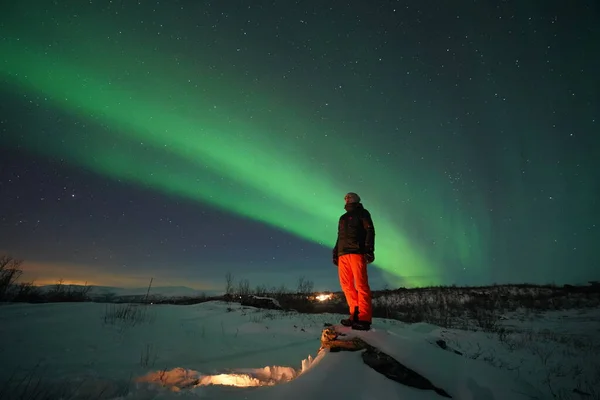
356	233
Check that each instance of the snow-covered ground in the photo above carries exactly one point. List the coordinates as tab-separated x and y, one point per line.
225	351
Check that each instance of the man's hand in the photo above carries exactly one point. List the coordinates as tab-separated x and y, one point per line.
370	256
335	256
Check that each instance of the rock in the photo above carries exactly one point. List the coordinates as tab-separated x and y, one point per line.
378	360
394	370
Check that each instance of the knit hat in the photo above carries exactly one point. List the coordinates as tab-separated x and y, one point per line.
352	198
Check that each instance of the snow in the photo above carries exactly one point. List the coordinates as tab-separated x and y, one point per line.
226	351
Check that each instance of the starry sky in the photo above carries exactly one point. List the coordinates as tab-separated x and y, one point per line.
184	139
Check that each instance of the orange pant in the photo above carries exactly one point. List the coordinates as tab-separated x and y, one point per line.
352	269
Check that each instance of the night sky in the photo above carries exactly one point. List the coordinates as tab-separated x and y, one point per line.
181	140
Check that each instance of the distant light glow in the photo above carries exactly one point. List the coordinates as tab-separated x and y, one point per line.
253	377
237	380
324	297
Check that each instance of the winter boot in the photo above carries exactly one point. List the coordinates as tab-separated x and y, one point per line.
353	318
361	326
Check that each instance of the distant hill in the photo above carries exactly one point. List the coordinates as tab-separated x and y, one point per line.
159	291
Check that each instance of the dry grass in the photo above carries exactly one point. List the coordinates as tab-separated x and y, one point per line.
128	315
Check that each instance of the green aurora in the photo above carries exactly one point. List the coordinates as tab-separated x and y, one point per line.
196	141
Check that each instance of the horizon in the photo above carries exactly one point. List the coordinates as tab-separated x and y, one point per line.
290	289
31	271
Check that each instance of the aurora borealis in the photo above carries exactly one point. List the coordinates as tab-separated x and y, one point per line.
182	140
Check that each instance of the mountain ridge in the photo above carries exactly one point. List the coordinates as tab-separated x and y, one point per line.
165	291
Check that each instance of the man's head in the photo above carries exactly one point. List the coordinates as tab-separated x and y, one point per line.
352	198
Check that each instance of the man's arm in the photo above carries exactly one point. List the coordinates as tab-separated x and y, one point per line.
370	237
370	228
337	240
335	253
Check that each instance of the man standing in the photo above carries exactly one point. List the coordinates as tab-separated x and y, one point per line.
354	249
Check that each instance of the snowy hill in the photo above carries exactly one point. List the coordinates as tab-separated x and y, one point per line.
227	351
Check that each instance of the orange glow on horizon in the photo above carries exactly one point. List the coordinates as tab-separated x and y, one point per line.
48	273
64	282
